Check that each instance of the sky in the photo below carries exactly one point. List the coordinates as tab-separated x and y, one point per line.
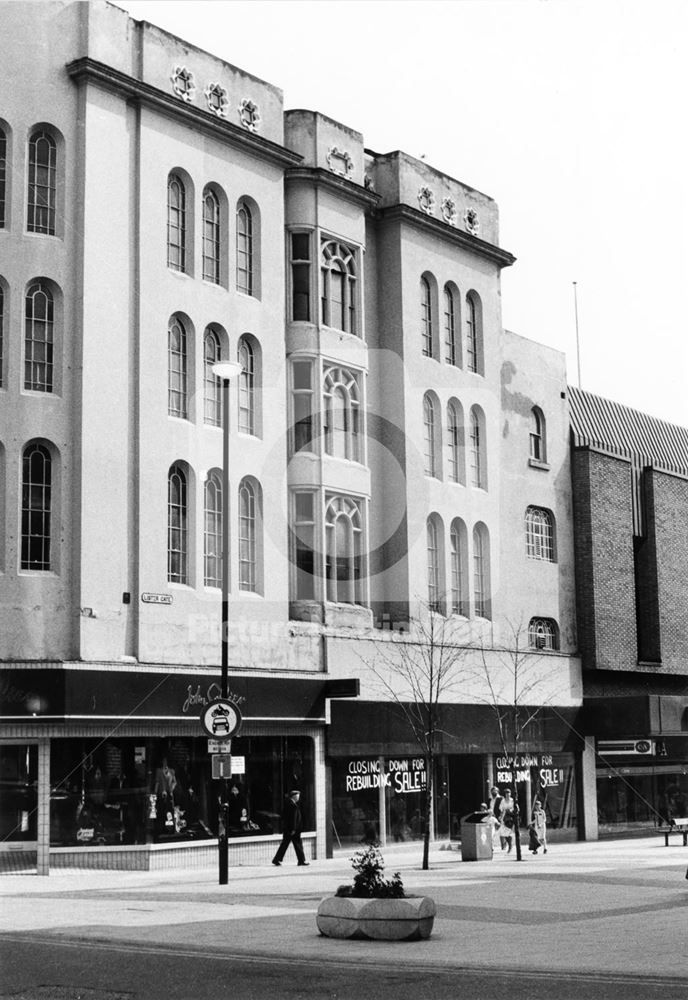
570	115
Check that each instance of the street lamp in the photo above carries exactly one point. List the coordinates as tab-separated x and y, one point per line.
226	371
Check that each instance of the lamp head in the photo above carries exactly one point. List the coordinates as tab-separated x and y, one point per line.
227	370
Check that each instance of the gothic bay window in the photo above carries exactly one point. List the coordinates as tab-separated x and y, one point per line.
36	509
300	249
339	307
176	223
302	402
303	545
39	338
212	534
212	385
211	237
247	400
341	414
177	526
244	249
426	317
343	550
42	179
540	534
177	369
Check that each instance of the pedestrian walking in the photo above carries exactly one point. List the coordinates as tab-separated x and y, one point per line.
494	806
538	828
292	824
506	821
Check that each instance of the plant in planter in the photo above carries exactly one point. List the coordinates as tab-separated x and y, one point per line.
374	907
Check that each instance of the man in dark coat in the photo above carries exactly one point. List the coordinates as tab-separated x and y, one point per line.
292	824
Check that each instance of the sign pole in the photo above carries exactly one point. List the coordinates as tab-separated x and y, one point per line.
223	833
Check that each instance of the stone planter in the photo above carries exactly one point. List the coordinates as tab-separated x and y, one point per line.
408	919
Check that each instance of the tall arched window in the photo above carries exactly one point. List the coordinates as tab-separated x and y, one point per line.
177	369
39	338
426	332
177	526
3	176
538	441
341	414
211	236
42	183
459	568
247	385
339	306
543	634
474	335
455	459
344	539
248	555
481	571
212	534
430	436
2	326
450	353
212	385
36	508
176	223
244	249
434	575
478	449
540	534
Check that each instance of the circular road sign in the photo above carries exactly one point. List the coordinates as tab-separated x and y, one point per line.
221	718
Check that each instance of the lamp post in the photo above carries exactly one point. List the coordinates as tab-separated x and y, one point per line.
225	370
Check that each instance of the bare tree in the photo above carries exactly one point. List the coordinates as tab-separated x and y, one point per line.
514	688
417	672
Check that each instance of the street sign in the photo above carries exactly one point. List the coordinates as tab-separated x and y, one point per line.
238	765
221	718
156	598
222	765
219	746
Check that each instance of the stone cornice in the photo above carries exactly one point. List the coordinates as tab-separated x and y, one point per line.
412	216
105	76
341	185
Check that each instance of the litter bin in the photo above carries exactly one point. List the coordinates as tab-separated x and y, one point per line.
476	837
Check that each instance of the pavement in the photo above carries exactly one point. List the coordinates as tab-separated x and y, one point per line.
612	907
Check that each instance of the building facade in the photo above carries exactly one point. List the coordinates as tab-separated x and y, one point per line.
396	457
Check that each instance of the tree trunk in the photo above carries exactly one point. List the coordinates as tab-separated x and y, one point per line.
517	820
429	762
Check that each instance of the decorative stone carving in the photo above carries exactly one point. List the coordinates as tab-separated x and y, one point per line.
249	116
449	211
183	83
217	98
426	200
471	221
339	161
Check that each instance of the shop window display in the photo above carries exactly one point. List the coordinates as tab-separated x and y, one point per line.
18	793
138	791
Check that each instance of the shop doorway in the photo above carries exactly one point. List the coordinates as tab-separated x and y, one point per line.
466	789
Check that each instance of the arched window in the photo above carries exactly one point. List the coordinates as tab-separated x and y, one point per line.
39	338
538	441
3	176
455	458
477	449
344	540
2	327
36	510
474	336
177	369
248	558
42	183
459	568
176	223
244	249
450	353
212	385
341	414
426	332
540	534
481	571
177	526
247	384
211	236
543	634
339	306
430	436
434	572
212	535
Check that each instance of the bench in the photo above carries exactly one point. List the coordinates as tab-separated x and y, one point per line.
677	825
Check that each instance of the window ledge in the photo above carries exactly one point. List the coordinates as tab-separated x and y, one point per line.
535	463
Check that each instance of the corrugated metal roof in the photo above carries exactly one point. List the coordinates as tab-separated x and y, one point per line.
643	439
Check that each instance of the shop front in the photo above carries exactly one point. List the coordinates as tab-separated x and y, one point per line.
128	777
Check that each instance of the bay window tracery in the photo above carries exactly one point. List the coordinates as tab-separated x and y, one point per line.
338	270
